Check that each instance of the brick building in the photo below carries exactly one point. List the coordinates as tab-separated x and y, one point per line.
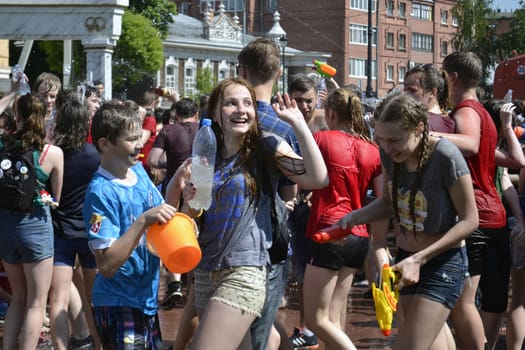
405	32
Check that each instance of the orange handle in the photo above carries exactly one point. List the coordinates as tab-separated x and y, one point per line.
324	69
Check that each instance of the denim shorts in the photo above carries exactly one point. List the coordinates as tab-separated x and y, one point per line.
241	287
334	256
442	278
66	251
26	237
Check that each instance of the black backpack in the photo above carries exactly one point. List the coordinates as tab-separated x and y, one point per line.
18	181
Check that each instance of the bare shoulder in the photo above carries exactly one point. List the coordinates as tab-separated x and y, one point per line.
55	156
55	151
465	114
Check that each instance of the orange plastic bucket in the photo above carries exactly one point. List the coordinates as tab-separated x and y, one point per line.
176	243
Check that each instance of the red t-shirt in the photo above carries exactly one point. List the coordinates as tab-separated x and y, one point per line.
482	169
149	124
352	165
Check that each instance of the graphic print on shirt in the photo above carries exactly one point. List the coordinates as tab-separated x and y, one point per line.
403	205
96	220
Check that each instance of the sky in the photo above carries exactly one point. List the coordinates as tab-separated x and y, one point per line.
505	4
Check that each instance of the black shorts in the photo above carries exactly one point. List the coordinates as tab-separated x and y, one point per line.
333	256
489	256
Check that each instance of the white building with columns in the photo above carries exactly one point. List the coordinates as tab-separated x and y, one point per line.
214	43
191	45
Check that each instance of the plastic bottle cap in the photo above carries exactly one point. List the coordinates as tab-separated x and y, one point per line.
206	122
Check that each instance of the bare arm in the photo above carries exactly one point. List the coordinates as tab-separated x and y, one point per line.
521	181
379	229
511	197
176	184
512	157
315	174
155	158
56	175
6	101
145	136
109	260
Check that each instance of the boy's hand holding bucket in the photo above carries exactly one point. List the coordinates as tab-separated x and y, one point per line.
176	243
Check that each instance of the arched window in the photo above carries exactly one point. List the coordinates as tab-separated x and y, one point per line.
190	71
224	70
171	73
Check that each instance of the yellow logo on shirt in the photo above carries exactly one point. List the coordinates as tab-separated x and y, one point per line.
95	221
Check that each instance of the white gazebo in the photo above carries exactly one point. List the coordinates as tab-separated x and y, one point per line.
96	23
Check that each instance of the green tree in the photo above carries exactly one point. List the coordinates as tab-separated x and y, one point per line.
54	54
138	52
475	34
159	12
205	81
514	40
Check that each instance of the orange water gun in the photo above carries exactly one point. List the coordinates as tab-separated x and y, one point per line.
385	299
324	69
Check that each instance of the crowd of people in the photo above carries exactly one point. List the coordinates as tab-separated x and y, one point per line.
434	169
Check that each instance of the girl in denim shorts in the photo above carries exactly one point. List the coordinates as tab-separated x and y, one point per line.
428	190
27	236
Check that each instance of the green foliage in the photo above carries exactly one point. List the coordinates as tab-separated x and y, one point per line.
205	81
157	11
475	34
514	41
138	52
54	57
54	51
139	49
472	18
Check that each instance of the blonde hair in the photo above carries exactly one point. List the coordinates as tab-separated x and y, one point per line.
348	108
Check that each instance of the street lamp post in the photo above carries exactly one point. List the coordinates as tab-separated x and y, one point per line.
369	91
283	41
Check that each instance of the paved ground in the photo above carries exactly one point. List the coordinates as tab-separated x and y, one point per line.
361	323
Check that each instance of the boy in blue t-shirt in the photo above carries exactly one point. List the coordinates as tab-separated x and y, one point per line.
120	205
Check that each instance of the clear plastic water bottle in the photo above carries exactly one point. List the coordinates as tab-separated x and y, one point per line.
508	96
321	86
23	87
203	165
